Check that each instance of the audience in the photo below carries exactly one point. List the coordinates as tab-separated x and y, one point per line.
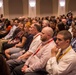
27	57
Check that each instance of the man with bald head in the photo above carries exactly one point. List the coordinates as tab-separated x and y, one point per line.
40	57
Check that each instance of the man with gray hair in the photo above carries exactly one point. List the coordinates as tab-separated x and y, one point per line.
45	23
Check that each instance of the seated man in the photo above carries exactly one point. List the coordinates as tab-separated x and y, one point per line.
63	57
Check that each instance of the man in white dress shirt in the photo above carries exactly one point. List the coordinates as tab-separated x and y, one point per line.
64	64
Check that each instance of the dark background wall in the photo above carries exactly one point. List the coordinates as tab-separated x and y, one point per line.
15	8
71	6
46	7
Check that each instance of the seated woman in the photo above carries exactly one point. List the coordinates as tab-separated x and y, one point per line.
4	70
21	47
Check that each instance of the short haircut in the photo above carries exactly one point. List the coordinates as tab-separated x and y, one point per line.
67	35
38	27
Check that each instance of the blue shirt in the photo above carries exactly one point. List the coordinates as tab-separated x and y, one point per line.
73	43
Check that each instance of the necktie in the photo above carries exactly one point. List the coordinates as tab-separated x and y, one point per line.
59	55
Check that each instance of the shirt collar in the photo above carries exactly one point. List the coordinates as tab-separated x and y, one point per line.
43	43
36	35
65	50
